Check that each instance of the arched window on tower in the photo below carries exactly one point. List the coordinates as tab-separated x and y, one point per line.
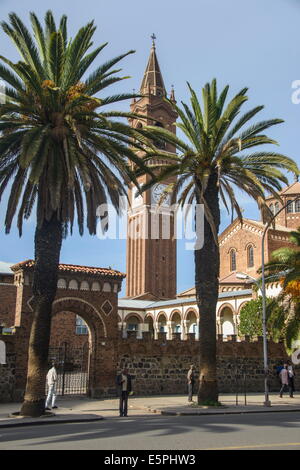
290	207
159	144
233	260
250	256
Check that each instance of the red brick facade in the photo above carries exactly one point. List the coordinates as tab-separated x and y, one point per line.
91	293
144	248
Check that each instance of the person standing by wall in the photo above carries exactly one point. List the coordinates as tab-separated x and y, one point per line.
191	382
291	378
124	384
51	382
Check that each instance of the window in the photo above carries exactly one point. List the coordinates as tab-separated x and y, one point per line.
290	207
158	143
232	260
297	206
277	207
132	327
81	326
250	256
271	207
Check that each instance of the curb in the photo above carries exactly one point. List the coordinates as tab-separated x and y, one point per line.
222	413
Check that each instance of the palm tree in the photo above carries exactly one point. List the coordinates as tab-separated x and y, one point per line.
211	164
284	319
61	153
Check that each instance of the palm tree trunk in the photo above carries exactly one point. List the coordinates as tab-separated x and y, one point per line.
207	266
48	240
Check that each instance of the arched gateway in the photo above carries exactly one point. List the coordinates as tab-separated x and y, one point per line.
82	293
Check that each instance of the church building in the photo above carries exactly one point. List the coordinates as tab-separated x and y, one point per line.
152	302
88	310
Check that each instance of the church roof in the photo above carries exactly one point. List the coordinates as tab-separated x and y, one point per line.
292	189
131	304
256	223
74	269
153	77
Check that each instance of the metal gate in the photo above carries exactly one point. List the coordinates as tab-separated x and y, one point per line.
72	369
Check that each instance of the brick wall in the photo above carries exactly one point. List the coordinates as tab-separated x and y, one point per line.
63	330
8	294
240	240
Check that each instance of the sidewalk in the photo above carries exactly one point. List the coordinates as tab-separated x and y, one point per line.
78	409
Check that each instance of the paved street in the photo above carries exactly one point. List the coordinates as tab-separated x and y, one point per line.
156	432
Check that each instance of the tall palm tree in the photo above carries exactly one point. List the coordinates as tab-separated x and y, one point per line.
284	319
62	154
216	158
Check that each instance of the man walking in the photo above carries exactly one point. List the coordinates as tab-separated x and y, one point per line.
124	388
191	382
51	382
285	383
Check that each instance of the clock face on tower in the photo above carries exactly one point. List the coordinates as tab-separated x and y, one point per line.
157	192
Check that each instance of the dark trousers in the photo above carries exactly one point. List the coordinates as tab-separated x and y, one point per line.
123	403
191	391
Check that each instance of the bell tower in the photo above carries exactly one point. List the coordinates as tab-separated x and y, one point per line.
151	243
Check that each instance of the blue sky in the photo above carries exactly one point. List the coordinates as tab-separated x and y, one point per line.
242	43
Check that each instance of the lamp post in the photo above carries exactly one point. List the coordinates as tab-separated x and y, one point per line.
267	401
263	290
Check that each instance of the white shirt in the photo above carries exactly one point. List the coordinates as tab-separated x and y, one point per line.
51	376
124	384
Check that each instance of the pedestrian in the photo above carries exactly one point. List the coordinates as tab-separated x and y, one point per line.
284	377
278	370
51	382
291	378
124	384
191	381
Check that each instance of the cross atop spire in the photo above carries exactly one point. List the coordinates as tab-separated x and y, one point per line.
153	37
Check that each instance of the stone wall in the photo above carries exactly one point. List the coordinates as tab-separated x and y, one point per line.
160	367
8	370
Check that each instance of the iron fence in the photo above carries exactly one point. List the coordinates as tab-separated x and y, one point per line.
72	369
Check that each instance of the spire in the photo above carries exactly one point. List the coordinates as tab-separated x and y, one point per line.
152	79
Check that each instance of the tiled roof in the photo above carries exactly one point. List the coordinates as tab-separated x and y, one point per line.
131	304
74	269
